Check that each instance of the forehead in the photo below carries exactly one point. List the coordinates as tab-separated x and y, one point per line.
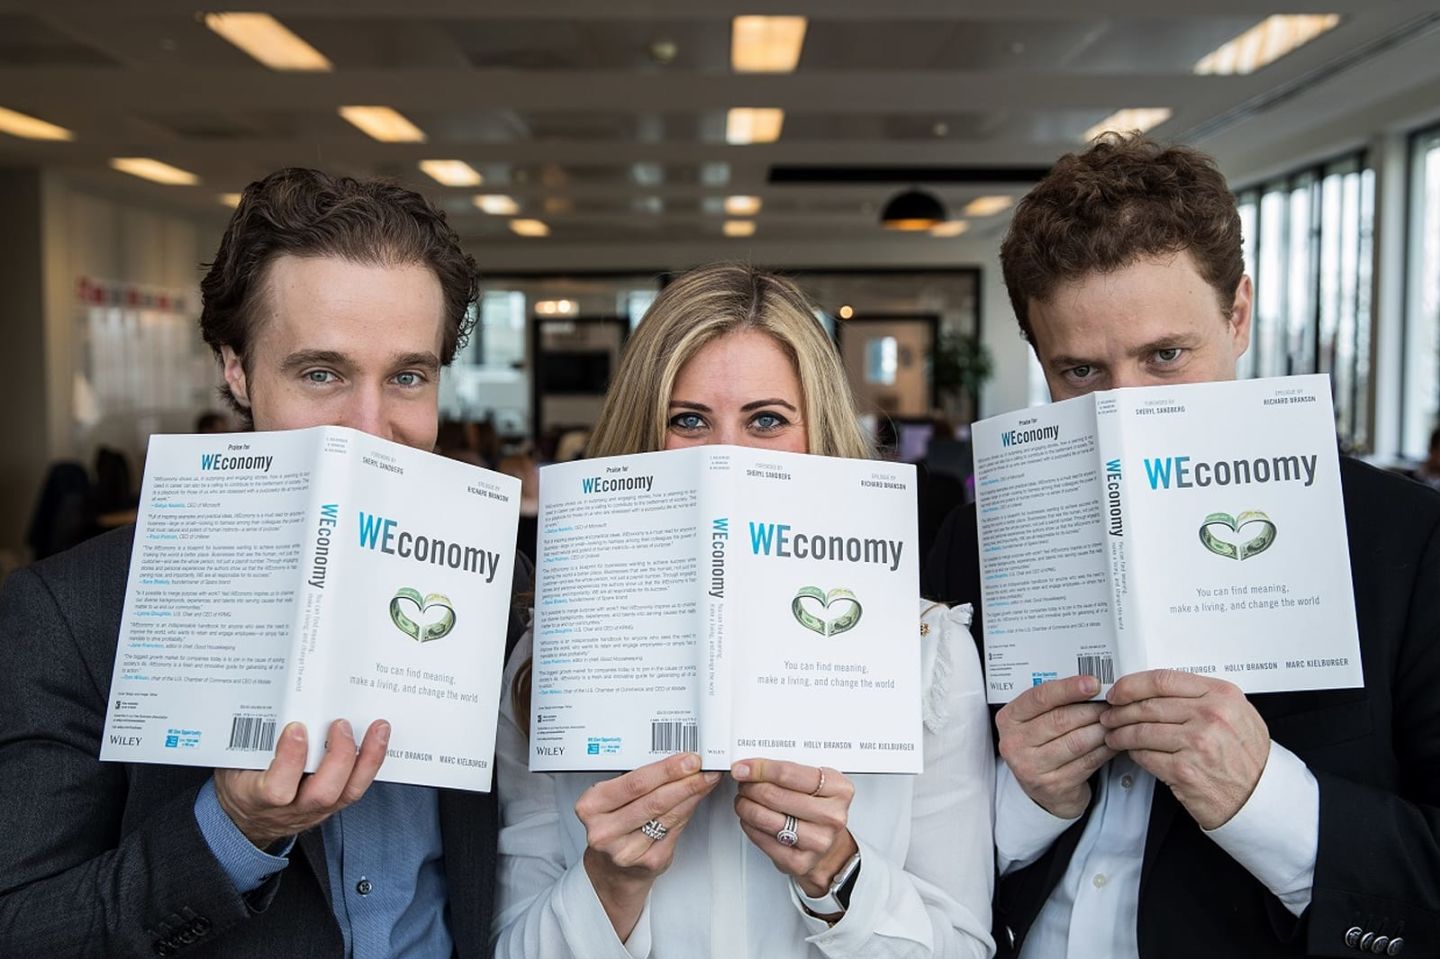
335	303
740	361
1145	302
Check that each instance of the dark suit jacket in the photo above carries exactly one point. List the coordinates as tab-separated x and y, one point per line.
106	859
1374	751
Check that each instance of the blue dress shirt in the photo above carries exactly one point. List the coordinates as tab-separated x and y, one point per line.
385	862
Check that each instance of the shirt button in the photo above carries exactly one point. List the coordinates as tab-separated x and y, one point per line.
1099	880
364	886
1378	946
1352	936
1396	945
1126	781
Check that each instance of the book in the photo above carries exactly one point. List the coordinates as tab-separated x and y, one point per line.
313	575
729	601
1197	527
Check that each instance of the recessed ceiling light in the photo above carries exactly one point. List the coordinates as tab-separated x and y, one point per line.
268	40
497	204
384	124
557	307
529	228
766	44
753	124
231	200
451	172
742	205
19	124
988	205
154	170
846	311
1265	43
739	228
1134	120
949	228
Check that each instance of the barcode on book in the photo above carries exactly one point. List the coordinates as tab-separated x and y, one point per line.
252	732
1101	667
673	737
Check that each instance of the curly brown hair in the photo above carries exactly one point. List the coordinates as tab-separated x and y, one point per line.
309	213
1122	198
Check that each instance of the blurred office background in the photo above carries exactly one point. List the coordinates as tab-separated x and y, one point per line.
584	151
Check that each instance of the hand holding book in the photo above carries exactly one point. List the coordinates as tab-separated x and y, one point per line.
281	801
1197	735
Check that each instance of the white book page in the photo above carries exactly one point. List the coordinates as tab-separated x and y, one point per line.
415	609
1237	530
1044	573
615	677
202	660
824	626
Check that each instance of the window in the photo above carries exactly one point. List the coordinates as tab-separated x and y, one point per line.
1421	396
1307	247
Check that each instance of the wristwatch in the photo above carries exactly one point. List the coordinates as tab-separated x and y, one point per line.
837	899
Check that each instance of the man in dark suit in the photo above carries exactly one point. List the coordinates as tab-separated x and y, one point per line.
1178	817
330	301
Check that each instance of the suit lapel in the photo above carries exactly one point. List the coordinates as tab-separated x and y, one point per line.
312	846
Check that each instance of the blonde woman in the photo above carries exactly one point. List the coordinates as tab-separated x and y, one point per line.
883	865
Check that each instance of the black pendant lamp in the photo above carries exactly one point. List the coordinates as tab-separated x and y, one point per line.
913	210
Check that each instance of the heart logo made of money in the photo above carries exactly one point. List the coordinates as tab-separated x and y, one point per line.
1252	523
415	625
833	612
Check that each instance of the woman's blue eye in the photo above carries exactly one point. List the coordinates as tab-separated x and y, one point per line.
687	421
768	421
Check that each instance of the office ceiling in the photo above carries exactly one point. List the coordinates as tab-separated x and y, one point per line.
606	119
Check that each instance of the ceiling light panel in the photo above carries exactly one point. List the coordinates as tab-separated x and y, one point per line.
529	228
23	125
155	171
269	41
384	124
988	205
742	205
1132	120
753	125
739	227
1265	43
766	44
497	204
451	172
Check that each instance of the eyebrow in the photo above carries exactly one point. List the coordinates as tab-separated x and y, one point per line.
752	405
1182	341
302	358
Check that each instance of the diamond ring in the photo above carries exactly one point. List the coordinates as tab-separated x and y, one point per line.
787	836
655	830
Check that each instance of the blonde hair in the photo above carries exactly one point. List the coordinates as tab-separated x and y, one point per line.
699	307
695	309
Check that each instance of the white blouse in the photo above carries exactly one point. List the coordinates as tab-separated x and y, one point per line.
926	853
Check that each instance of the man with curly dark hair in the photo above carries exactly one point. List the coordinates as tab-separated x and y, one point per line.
330	301
1178	817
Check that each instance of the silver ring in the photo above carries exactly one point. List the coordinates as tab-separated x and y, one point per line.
787	836
655	830
821	784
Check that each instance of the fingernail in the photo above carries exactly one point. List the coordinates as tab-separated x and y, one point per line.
1089	685
740	770
295	731
712	777
383	731
346	728
691	763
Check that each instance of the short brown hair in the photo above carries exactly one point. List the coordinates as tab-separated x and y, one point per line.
1118	200
309	213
